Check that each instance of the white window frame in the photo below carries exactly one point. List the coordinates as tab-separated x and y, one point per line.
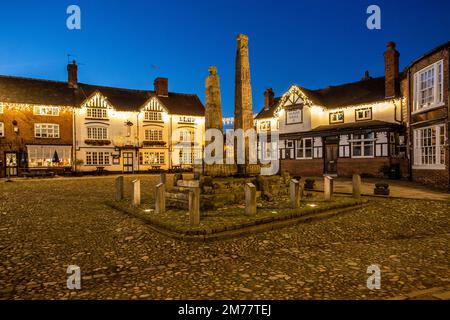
303	148
265	125
98	158
96	113
97	133
2	129
152	158
336	114
440	138
367	114
41	128
153	116
437	69
153	135
50	111
362	142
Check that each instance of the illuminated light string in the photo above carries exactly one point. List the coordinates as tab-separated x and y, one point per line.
294	89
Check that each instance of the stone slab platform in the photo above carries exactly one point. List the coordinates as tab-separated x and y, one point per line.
259	224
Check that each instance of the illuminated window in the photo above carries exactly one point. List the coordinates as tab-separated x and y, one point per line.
153	116
337	117
265	125
363	114
2	129
304	148
46	111
97	113
97	158
363	145
46	130
428	86
429	147
149	158
153	135
97	133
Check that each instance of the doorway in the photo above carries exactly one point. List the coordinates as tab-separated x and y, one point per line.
331	156
11	164
128	162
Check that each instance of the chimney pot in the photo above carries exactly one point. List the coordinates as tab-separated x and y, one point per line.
72	74
268	98
161	87
391	70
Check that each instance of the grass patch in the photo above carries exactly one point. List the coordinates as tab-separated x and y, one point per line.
233	217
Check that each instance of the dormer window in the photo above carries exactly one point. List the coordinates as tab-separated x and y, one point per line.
265	125
97	107
337	117
97	113
153	116
363	114
153	111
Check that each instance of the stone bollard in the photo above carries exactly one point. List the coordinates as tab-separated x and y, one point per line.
356	181
160	198
119	188
194	206
162	177
328	188
295	193
136	192
250	199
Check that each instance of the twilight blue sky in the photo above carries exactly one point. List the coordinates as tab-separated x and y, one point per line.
129	43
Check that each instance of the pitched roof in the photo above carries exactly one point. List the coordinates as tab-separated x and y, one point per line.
372	124
354	93
432	51
36	91
268	113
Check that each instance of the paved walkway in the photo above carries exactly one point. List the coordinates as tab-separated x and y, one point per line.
399	188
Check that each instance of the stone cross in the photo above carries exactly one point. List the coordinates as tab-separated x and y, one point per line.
328	188
136	192
194	206
162	177
356	182
250	198
295	193
213	105
119	188
160	198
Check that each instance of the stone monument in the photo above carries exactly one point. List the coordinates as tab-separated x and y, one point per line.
243	107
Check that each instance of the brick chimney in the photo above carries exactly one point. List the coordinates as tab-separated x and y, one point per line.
72	74
391	66
161	86
268	98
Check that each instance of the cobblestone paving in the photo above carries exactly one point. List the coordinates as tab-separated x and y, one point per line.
46	225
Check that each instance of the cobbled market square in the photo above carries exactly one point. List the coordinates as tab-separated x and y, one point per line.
227	155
